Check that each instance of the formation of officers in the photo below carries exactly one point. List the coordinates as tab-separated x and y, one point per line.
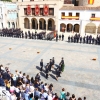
19	34
58	70
61	37
86	39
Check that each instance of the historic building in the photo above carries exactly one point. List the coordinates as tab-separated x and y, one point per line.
2	15
11	15
39	14
79	19
8	15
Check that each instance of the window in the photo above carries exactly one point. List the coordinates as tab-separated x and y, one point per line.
31	0
33	11
93	15
51	11
77	14
2	25
70	14
25	11
63	14
41	11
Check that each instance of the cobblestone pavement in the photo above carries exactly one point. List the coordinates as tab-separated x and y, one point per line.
81	75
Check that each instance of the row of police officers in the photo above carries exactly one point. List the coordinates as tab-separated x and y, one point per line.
86	39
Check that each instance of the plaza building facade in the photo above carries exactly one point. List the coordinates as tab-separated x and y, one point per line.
39	14
2	15
11	15
8	15
79	19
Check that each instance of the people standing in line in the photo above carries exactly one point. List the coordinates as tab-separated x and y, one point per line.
62	37
41	64
68	38
62	64
47	70
53	62
50	64
59	37
56	37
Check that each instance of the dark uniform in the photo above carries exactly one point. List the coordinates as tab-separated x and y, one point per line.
56	37
47	71
62	37
59	37
50	64
93	40
41	64
80	39
68	38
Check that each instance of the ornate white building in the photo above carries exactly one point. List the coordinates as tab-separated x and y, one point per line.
8	15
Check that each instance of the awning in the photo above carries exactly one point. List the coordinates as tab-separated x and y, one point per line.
70	17
95	19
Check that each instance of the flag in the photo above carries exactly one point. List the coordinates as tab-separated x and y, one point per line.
91	2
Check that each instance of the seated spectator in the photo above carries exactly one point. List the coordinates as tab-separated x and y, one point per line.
1	81
63	95
51	88
45	95
7	84
20	75
73	97
50	96
37	77
84	98
12	89
32	80
79	98
67	96
28	79
36	94
46	87
55	97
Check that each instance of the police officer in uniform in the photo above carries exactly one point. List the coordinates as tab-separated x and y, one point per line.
41	64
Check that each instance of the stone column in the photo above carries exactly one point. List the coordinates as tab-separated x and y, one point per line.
46	27
30	25
96	31
38	26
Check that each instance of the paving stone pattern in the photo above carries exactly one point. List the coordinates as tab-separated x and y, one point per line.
81	75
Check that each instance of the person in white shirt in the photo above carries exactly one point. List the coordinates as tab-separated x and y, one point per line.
50	97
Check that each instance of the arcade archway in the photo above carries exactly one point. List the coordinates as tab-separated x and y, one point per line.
34	23
69	28
42	24
51	24
13	25
8	24
98	31
76	28
26	23
90	28
62	27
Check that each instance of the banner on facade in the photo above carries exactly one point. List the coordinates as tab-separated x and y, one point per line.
46	10
37	10
91	2
28	10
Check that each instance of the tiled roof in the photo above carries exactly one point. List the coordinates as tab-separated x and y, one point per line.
79	8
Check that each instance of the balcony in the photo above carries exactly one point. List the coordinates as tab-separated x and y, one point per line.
70	17
95	18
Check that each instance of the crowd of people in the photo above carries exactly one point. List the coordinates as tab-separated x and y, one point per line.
20	86
86	39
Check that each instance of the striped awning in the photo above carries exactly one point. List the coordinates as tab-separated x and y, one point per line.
95	19
70	17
